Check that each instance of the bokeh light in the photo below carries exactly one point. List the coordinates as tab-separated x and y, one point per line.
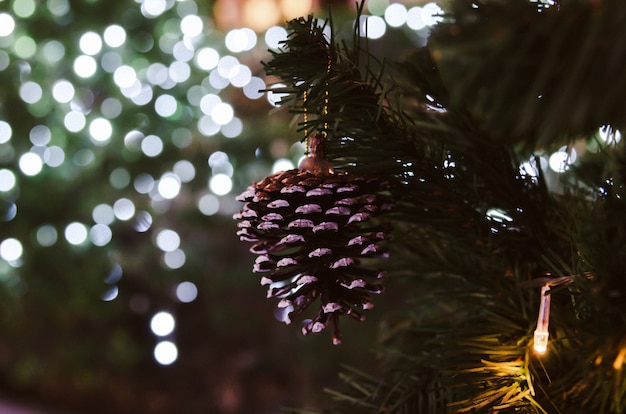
153	8
165	105
239	40
9	213
5	132
30	163
25	47
396	15
207	127
414	18
143	183
432	14
7	180
76	233
220	184
100	235
241	76
274	36
110	294
58	8
162	323
90	43
216	80
111	108
114	35
228	66
377	7
233	129
208	102
254	88
179	72
207	58
374	27
184	170
174	259
54	156
165	353
222	113
151	145
7	24
40	135
53	51
208	204
85	66
103	214
143	221
119	178
169	186
63	91
186	292
74	121
24	8
46	235
124	209
11	249
31	92
183	51
115	274
124	76
168	240
100	130
191	25
84	157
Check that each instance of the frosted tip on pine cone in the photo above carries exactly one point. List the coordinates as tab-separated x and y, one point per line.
312	233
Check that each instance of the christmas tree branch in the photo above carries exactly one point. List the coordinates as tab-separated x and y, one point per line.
539	74
475	231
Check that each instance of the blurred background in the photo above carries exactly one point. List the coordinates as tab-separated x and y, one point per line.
127	128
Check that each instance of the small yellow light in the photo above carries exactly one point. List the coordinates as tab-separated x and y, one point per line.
541	341
541	333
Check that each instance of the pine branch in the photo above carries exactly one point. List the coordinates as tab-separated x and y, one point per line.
538	77
473	231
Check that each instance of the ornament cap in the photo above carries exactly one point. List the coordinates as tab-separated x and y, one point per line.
316	161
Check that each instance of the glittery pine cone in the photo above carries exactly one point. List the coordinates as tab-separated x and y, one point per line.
312	232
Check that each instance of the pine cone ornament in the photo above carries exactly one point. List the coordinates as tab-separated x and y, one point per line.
312	232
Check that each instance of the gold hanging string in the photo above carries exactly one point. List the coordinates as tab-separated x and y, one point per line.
325	110
305	116
305	119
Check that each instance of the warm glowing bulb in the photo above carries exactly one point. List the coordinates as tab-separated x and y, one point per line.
541	341
543	320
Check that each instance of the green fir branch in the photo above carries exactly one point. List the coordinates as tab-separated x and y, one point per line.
538	77
472	232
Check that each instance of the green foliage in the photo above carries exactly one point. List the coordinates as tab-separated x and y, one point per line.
536	75
478	232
